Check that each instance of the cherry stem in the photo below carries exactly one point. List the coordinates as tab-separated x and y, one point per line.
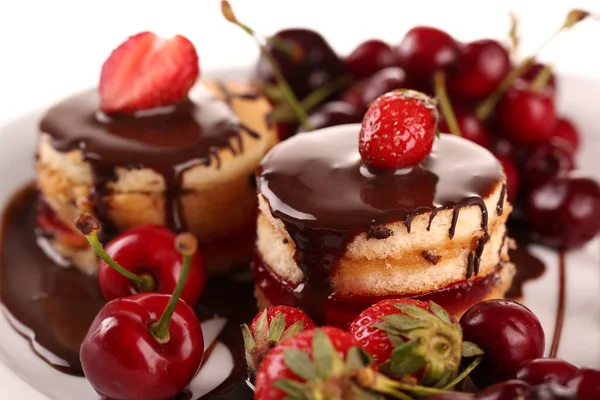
89	227
186	245
487	106
301	114
464	374
542	78
513	33
560	306
440	92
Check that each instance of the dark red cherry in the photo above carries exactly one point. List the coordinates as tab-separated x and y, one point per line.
526	116
382	82
451	396
425	50
565	212
471	127
509	334
354	95
332	114
586	384
507	390
544	370
482	66
503	147
566	131
546	160
286	129
315	64
512	177
533	72
369	57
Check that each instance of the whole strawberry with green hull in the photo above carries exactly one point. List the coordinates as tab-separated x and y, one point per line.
410	338
268	328
398	130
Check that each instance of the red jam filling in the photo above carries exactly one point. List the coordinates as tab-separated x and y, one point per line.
341	311
52	225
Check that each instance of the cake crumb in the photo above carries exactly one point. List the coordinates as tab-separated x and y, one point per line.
378	232
431	256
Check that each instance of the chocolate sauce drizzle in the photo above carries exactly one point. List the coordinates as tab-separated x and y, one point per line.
316	184
169	141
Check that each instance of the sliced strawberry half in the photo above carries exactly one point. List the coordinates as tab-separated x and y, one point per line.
147	71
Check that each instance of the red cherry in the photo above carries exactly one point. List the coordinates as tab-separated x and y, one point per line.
483	64
149	250
566	131
533	72
509	334
398	130
508	390
382	82
123	359
369	57
332	114
503	147
586	384
547	160
512	177
545	370
526	116
354	95
471	127
425	50
565	212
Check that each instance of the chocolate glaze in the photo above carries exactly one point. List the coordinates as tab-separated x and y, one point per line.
528	266
316	184
168	140
53	305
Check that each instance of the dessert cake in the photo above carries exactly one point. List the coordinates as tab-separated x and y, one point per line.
187	165
334	237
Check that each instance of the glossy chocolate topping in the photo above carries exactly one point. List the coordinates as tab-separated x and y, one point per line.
316	184
168	140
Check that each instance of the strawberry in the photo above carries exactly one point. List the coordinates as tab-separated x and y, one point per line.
268	328
398	130
147	71
410	338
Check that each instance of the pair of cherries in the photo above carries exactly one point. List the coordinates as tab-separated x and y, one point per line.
146	342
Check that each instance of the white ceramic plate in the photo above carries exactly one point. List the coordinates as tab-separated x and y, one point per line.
24	376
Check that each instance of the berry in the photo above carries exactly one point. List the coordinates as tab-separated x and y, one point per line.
533	72
526	116
451	396
545	370
413	326
508	390
369	57
512	178
332	114
509	334
268	328
425	50
566	131
146	72
547	160
565	212
471	127
292	366
586	384
384	81
315	65
354	96
483	64
398	130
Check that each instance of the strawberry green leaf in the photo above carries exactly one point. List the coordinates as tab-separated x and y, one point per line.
399	323
293	330
356	359
326	358
296	390
276	328
406	359
440	312
470	349
261	328
300	364
415	312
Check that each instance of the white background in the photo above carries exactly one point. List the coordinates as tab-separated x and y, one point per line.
50	48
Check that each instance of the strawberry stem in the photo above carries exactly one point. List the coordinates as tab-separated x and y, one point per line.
440	91
301	114
465	373
186	245
89	227
487	106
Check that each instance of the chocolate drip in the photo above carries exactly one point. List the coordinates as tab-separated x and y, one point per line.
317	186
169	140
500	205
